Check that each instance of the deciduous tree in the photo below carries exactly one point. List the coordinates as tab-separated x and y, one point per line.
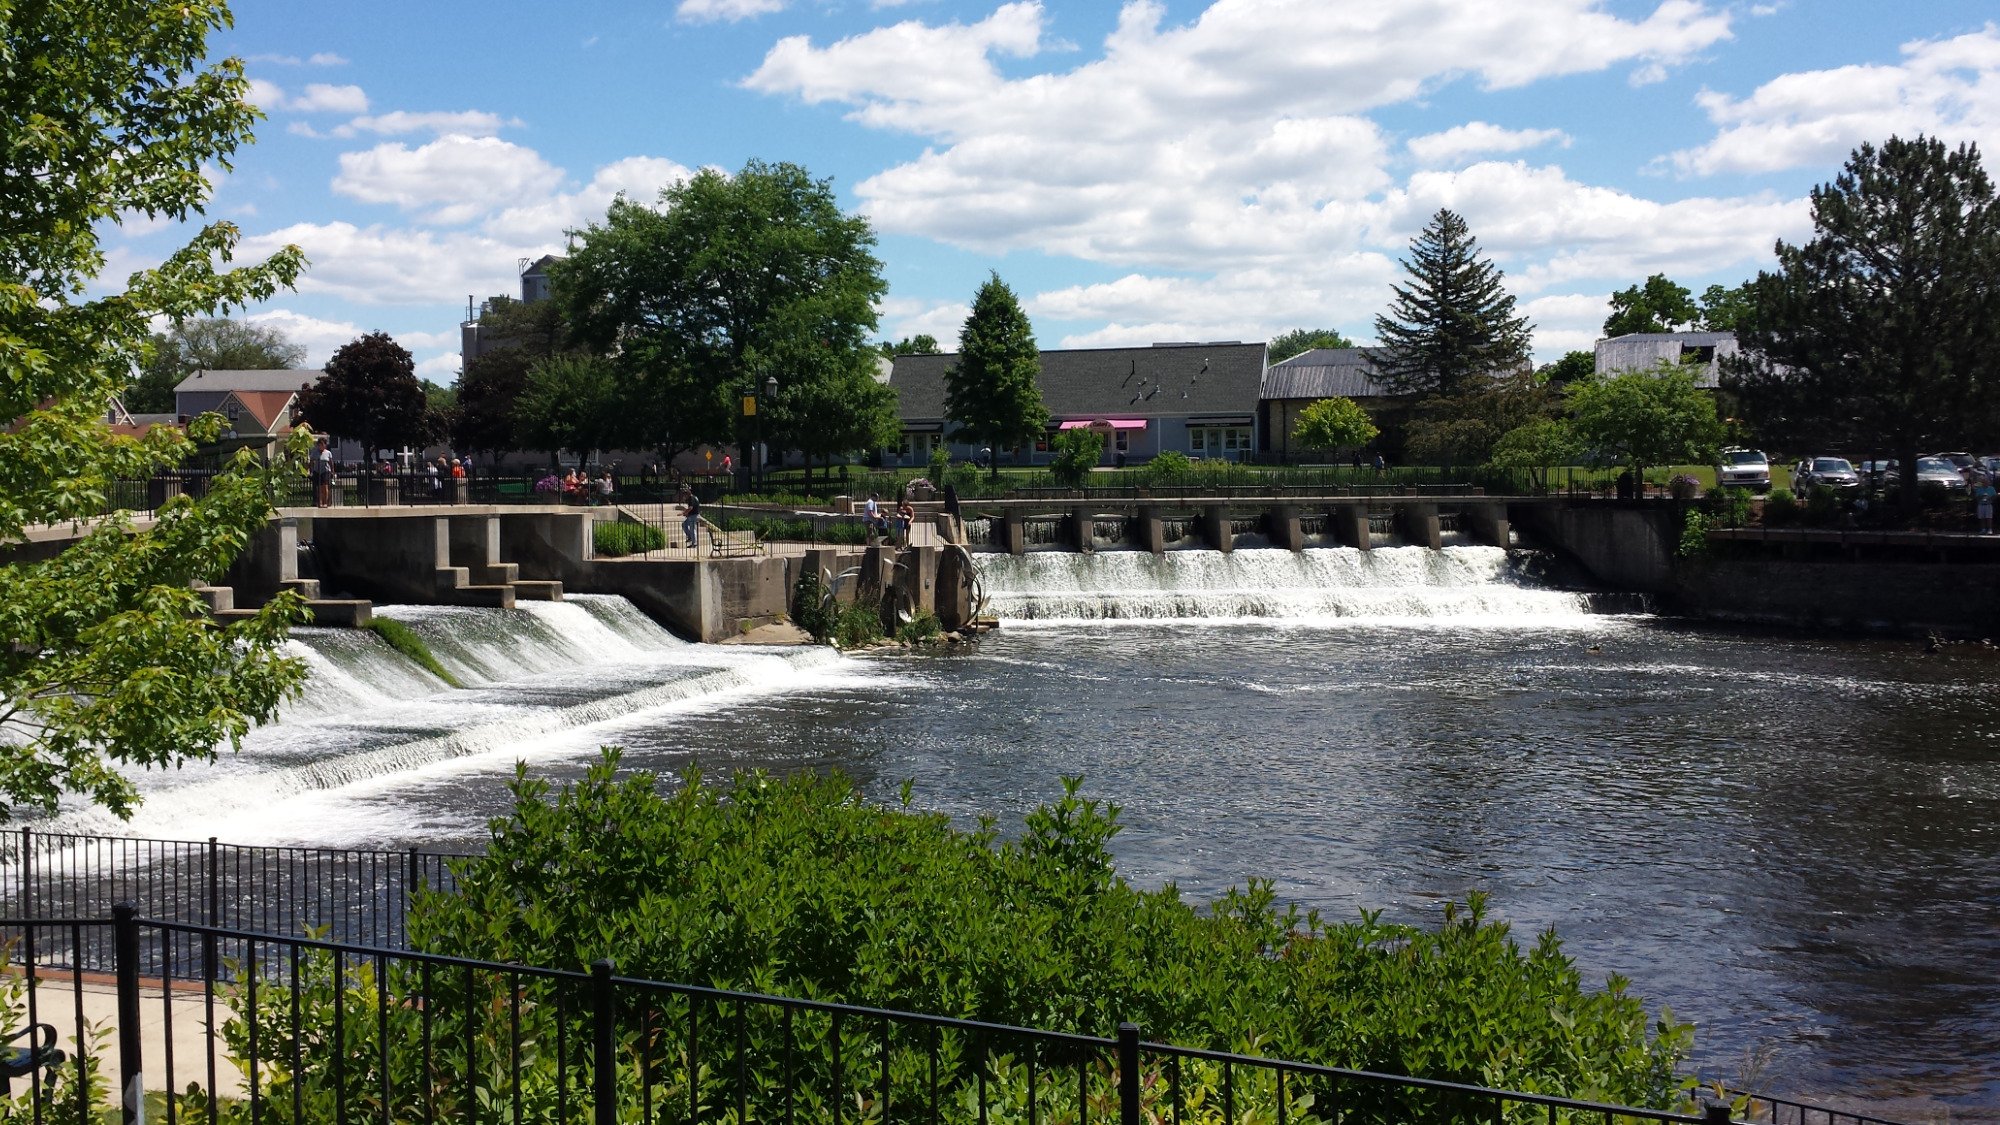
1659	305
206	344
1454	322
732	280
370	393
1723	309
1883	331
571	402
994	391
1298	341
1573	367
108	662
1644	419
923	343
1334	423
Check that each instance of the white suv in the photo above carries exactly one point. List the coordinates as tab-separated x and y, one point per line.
1744	468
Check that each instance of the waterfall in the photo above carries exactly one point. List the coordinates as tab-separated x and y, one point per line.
1321	584
528	678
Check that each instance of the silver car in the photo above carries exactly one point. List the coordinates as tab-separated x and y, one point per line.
1832	472
1744	468
1933	471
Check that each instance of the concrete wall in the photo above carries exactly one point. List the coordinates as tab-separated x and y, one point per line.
1621	546
1951	600
385	559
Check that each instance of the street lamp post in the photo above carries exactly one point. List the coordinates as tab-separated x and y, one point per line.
764	451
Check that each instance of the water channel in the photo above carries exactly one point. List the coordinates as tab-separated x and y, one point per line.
1790	840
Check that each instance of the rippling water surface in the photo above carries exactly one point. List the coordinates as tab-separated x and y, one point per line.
1791	841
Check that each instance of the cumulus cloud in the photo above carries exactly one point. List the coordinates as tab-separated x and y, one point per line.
903	317
1948	88
1239	134
1476	137
450	180
638	178
466	122
728	11
317	97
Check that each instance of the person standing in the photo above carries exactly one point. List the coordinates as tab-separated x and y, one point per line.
322	474
1982	499
691	515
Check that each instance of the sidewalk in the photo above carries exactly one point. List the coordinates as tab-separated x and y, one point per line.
56	1002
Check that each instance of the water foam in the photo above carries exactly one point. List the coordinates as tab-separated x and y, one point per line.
1319	585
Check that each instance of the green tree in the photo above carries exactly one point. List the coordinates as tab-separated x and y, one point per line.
994	391
1077	452
1461	429
1454	322
206	344
923	343
370	393
1574	367
732	280
1644	419
1298	341
1334	423
1537	446
1884	330
571	402
1724	309
1659	305
487	392
108	662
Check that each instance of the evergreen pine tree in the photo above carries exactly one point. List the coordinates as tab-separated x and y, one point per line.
993	391
1453	323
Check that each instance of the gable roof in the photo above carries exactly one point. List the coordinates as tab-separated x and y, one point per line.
1641	351
1325	373
282	379
265	407
1164	380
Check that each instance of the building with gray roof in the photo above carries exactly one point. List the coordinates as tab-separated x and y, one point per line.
1643	351
1291	385
1196	398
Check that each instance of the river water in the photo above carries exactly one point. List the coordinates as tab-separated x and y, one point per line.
1791	841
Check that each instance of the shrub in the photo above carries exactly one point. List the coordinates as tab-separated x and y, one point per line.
1169	465
811	610
1822	506
940	465
1694	535
399	637
1780	508
1077	452
858	623
1728	507
612	540
923	628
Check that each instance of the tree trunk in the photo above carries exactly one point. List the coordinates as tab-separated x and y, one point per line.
1906	478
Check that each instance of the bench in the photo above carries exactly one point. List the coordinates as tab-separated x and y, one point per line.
41	1053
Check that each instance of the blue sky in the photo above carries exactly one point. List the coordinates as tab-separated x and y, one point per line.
1150	171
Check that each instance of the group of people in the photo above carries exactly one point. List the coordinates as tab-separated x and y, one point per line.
580	487
877	523
321	471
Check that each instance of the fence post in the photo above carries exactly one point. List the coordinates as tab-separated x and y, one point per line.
1128	1073
603	1071
1715	1113
214	911
27	880
131	1071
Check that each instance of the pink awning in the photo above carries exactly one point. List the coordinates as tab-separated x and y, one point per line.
1107	424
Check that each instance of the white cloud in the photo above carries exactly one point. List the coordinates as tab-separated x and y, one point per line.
466	122
453	179
321	97
1238	135
326	58
639	178
317	97
1948	88
903	317
710	11
322	337
390	265
1475	137
318	58
1567	322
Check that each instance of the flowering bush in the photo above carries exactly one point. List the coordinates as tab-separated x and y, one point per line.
1681	486
548	483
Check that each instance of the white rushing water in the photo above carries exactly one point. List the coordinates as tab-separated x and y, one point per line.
1463	584
531	679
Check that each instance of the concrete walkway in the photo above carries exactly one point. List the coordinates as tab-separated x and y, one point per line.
56	1002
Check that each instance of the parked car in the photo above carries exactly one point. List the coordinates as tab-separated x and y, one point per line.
1959	461
1744	468
1873	473
1832	472
1932	470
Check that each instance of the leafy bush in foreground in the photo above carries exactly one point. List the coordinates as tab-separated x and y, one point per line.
799	887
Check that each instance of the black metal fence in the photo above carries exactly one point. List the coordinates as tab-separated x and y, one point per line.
350	895
311	1030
